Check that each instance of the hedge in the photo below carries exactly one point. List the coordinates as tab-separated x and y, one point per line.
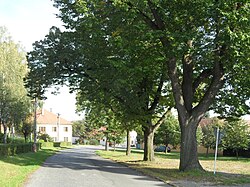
56	144
47	144
14	149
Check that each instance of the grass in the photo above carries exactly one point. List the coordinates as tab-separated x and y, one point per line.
230	171
15	169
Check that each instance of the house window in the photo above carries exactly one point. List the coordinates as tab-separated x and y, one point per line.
66	139
42	129
65	129
53	129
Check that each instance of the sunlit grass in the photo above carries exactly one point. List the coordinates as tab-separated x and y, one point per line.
15	169
165	167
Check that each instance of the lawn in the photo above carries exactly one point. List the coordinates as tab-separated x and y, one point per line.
230	171
15	169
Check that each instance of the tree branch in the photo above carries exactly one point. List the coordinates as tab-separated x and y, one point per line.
174	77
216	84
187	86
159	90
204	74
161	120
159	22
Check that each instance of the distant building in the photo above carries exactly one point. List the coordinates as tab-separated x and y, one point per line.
132	134
59	129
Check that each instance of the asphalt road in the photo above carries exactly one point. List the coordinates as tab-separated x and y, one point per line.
81	167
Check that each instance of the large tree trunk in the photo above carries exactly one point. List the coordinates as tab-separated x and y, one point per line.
189	155
148	143
128	150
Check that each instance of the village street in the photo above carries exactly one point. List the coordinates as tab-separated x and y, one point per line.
81	167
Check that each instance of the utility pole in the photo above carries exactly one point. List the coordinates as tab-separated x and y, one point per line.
58	125
35	127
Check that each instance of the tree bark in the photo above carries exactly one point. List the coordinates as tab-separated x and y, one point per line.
189	155
128	150
148	144
207	152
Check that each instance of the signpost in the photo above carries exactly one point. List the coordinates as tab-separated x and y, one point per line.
216	148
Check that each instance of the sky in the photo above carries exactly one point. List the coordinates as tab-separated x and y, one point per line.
28	21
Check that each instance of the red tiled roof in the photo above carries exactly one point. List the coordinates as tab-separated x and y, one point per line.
47	117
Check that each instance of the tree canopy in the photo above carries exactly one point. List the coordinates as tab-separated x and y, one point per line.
14	103
139	56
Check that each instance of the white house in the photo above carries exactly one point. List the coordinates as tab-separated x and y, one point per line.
133	141
55	126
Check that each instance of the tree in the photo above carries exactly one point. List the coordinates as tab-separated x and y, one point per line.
208	133
78	128
168	132
236	136
26	126
14	104
200	53
45	138
136	96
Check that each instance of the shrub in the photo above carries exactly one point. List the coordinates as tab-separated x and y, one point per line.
45	137
94	142
64	144
1	138
13	149
47	144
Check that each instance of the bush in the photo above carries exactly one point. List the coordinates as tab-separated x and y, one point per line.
1	138
55	144
45	137
94	142
64	144
47	144
18	141
13	149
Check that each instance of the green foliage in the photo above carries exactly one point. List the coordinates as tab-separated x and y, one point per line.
14	103
78	128
208	132
236	135
13	149
2	138
168	132
64	144
47	144
94	142
60	144
45	138
25	127
199	135
139	58
208	137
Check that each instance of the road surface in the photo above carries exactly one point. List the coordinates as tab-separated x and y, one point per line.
81	167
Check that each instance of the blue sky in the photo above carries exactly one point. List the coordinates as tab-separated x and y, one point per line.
28	21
